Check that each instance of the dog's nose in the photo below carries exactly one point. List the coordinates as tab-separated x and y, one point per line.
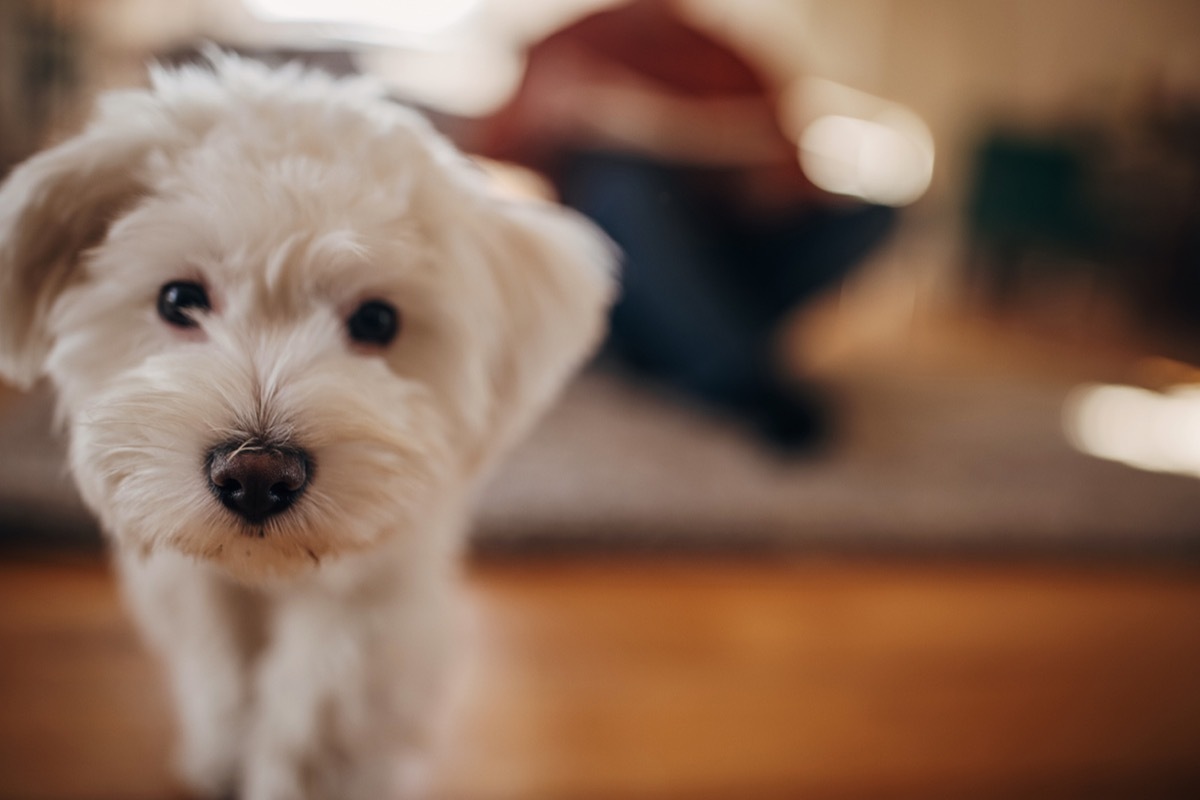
257	482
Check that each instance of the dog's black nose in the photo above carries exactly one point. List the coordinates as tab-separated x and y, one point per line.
257	482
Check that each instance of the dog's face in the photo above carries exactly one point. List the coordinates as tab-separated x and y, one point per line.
285	320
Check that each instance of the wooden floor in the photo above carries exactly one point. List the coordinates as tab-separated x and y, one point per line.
700	678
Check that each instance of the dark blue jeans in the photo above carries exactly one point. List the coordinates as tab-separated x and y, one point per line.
704	292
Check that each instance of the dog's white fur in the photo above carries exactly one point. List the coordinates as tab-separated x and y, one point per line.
305	662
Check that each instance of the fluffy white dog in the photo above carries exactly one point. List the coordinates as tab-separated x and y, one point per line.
289	327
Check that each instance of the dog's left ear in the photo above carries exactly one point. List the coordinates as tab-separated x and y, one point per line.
56	205
555	278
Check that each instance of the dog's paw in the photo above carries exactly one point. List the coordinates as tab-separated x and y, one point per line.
207	769
325	777
270	779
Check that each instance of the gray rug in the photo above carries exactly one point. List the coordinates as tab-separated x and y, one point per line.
923	463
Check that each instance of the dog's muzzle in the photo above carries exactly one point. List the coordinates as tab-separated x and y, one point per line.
257	482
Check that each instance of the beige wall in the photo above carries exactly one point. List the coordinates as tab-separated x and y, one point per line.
959	63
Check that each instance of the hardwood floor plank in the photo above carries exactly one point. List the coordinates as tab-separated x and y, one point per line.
715	677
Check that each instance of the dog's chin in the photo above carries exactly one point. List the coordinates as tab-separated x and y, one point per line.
259	553
256	556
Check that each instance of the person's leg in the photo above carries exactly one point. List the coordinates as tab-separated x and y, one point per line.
683	316
781	266
791	262
675	317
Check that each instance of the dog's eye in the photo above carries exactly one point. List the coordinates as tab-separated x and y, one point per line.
176	299
374	322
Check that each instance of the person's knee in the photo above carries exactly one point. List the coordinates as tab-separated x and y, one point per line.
856	234
876	222
598	184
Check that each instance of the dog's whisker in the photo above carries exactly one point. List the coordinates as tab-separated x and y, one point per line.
248	445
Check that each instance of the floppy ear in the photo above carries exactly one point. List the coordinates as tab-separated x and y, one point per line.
555	275
55	206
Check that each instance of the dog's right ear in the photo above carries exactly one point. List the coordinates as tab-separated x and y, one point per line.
55	206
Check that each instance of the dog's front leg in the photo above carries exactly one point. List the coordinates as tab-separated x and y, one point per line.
348	694
206	630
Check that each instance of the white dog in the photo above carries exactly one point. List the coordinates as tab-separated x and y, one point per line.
289	327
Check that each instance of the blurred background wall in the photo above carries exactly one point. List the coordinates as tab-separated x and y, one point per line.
1044	157
954	63
963	68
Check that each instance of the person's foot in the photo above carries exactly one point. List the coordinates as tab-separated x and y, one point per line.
790	417
793	419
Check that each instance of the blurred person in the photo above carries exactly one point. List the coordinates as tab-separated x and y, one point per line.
671	141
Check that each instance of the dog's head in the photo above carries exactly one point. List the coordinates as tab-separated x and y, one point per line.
285	319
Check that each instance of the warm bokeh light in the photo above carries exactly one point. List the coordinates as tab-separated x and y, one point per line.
1156	431
420	17
854	143
471	79
873	159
